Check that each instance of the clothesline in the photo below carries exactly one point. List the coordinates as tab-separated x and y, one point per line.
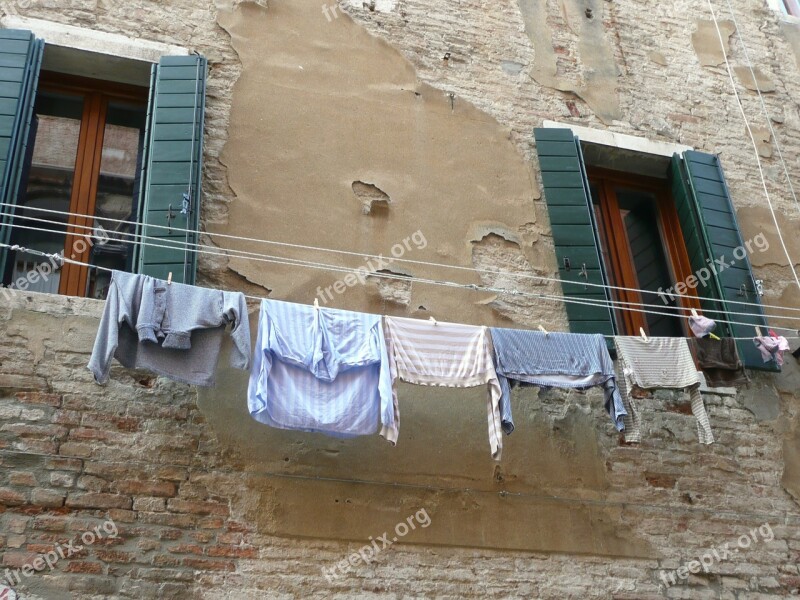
767	117
615	304
336	371
59	257
753	142
214	251
357	254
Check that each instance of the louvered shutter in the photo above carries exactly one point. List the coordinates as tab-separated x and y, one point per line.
712	233
172	169
20	62
575	236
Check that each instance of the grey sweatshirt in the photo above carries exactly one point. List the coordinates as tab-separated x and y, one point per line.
173	330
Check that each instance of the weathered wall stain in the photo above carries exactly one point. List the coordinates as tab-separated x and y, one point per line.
597	65
320	105
315	486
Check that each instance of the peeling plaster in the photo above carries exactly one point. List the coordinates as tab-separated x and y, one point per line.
599	69
762	81
505	265
792	34
320	105
397	291
706	42
372	197
755	220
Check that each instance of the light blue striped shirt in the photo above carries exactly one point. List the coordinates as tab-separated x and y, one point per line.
571	360
321	369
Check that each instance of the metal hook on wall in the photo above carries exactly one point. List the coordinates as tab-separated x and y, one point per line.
170	217
585	274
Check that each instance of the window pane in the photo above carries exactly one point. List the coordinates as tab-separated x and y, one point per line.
117	194
47	183
640	215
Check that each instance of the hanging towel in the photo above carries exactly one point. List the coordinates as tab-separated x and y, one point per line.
701	326
663	363
564	360
772	348
174	330
322	370
719	361
445	354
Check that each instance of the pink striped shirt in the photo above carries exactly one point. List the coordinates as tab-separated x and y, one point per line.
445	354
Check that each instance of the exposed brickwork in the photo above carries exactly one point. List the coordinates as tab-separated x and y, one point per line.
194	521
178	499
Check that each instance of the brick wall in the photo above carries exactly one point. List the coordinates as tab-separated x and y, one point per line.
193	516
205	503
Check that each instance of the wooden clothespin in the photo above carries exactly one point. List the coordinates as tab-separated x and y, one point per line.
642	333
169	278
316	303
432	320
758	332
542	329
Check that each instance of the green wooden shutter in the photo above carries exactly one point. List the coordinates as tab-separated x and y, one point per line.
575	236
172	167
716	232
20	61
695	241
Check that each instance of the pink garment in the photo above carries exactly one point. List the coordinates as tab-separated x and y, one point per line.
701	326
772	348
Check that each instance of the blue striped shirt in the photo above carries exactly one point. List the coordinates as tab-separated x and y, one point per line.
321	369
570	360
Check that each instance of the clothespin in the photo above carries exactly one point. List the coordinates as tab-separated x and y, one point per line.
694	313
758	332
169	278
712	336
642	333
316	303
432	320
542	329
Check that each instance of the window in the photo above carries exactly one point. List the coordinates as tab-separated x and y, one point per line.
101	149
787	7
87	138
638	223
613	226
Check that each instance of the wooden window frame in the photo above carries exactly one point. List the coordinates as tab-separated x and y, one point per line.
615	238
96	94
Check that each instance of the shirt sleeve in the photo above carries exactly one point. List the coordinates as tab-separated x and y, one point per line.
495	392
259	371
235	311
106	342
390	413
390	429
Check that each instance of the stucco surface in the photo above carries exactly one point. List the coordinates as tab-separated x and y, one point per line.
346	111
